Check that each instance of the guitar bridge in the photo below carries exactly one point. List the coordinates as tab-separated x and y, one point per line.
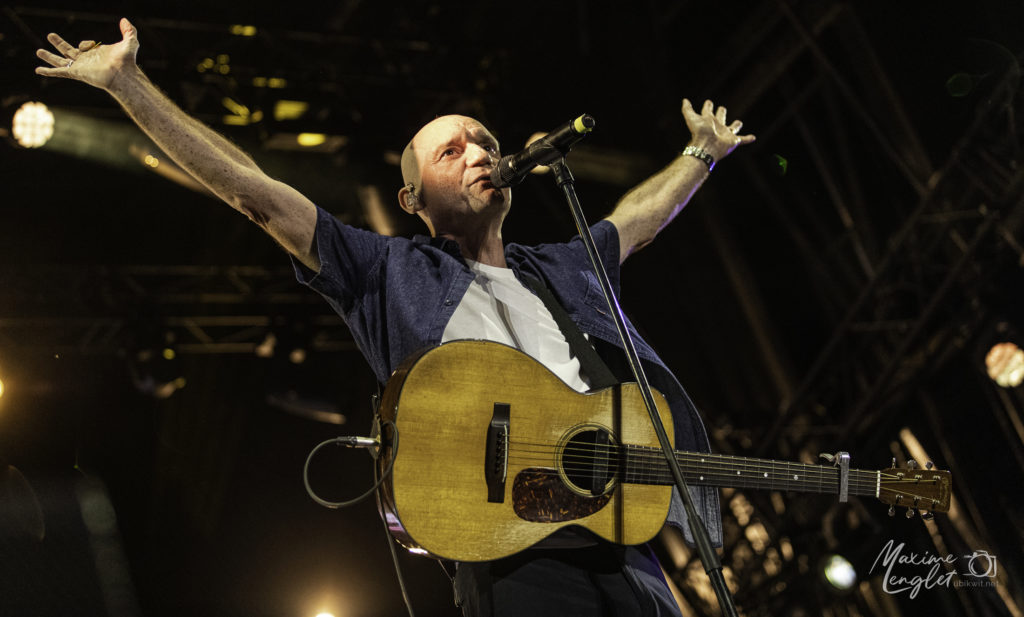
496	454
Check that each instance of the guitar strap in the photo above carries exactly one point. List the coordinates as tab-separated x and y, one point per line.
593	367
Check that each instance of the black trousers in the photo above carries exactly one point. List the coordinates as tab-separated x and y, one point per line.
578	582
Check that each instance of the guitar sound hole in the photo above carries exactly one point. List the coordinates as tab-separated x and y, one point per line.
589	461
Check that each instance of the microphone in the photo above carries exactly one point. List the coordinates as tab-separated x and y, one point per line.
511	169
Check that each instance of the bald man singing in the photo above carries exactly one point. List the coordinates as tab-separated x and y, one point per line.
463	281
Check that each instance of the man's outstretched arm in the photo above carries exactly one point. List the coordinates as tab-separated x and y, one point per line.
218	164
651	205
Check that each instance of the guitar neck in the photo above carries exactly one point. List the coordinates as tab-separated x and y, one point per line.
646	465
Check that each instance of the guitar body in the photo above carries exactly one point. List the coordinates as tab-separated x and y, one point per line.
495	453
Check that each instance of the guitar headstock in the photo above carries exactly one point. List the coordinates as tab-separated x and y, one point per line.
926	490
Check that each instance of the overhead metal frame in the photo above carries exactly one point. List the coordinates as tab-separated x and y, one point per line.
204	309
920	290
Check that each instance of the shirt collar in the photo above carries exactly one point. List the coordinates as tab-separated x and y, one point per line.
445	244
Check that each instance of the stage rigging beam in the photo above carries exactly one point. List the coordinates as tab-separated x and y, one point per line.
934	264
207	309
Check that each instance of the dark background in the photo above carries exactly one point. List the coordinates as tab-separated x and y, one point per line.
835	283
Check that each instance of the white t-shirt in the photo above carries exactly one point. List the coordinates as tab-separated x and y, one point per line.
497	307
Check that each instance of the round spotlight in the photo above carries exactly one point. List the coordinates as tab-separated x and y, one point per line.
32	125
839	573
1005	364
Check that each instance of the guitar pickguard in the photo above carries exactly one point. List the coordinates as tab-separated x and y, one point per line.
540	496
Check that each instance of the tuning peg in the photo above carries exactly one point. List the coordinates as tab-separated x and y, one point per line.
827	457
894	462
892	510
910	513
911	464
926	515
929	465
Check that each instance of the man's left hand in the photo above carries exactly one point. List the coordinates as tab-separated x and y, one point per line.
710	132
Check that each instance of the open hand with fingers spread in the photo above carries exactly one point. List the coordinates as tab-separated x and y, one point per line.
710	132
95	64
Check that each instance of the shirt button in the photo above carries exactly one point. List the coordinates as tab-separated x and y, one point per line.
447	302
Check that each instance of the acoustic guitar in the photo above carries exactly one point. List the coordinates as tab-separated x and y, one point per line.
495	453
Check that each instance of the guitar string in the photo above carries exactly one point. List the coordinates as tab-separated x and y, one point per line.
656	469
638	452
655	464
650	466
867	485
728	479
646	454
660	475
865	489
640	459
647	465
868	488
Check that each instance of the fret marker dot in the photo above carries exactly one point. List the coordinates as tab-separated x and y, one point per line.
796	477
737	473
766	474
702	460
702	478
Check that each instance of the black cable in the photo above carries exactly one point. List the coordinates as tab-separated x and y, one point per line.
376	485
342	441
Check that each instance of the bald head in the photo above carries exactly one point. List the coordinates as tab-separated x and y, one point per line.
446	170
428	137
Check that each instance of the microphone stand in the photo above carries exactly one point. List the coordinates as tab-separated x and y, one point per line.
708	556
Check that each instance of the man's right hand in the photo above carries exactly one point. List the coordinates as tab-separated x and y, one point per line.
92	63
222	167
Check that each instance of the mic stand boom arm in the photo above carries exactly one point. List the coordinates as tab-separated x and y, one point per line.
708	556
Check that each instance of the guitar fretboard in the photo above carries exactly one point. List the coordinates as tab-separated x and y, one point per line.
646	465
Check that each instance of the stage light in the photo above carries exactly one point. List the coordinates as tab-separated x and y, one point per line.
1005	364
32	125
297	355
266	348
243	30
240	114
154	367
839	573
1	388
305	142
289	110
310	140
